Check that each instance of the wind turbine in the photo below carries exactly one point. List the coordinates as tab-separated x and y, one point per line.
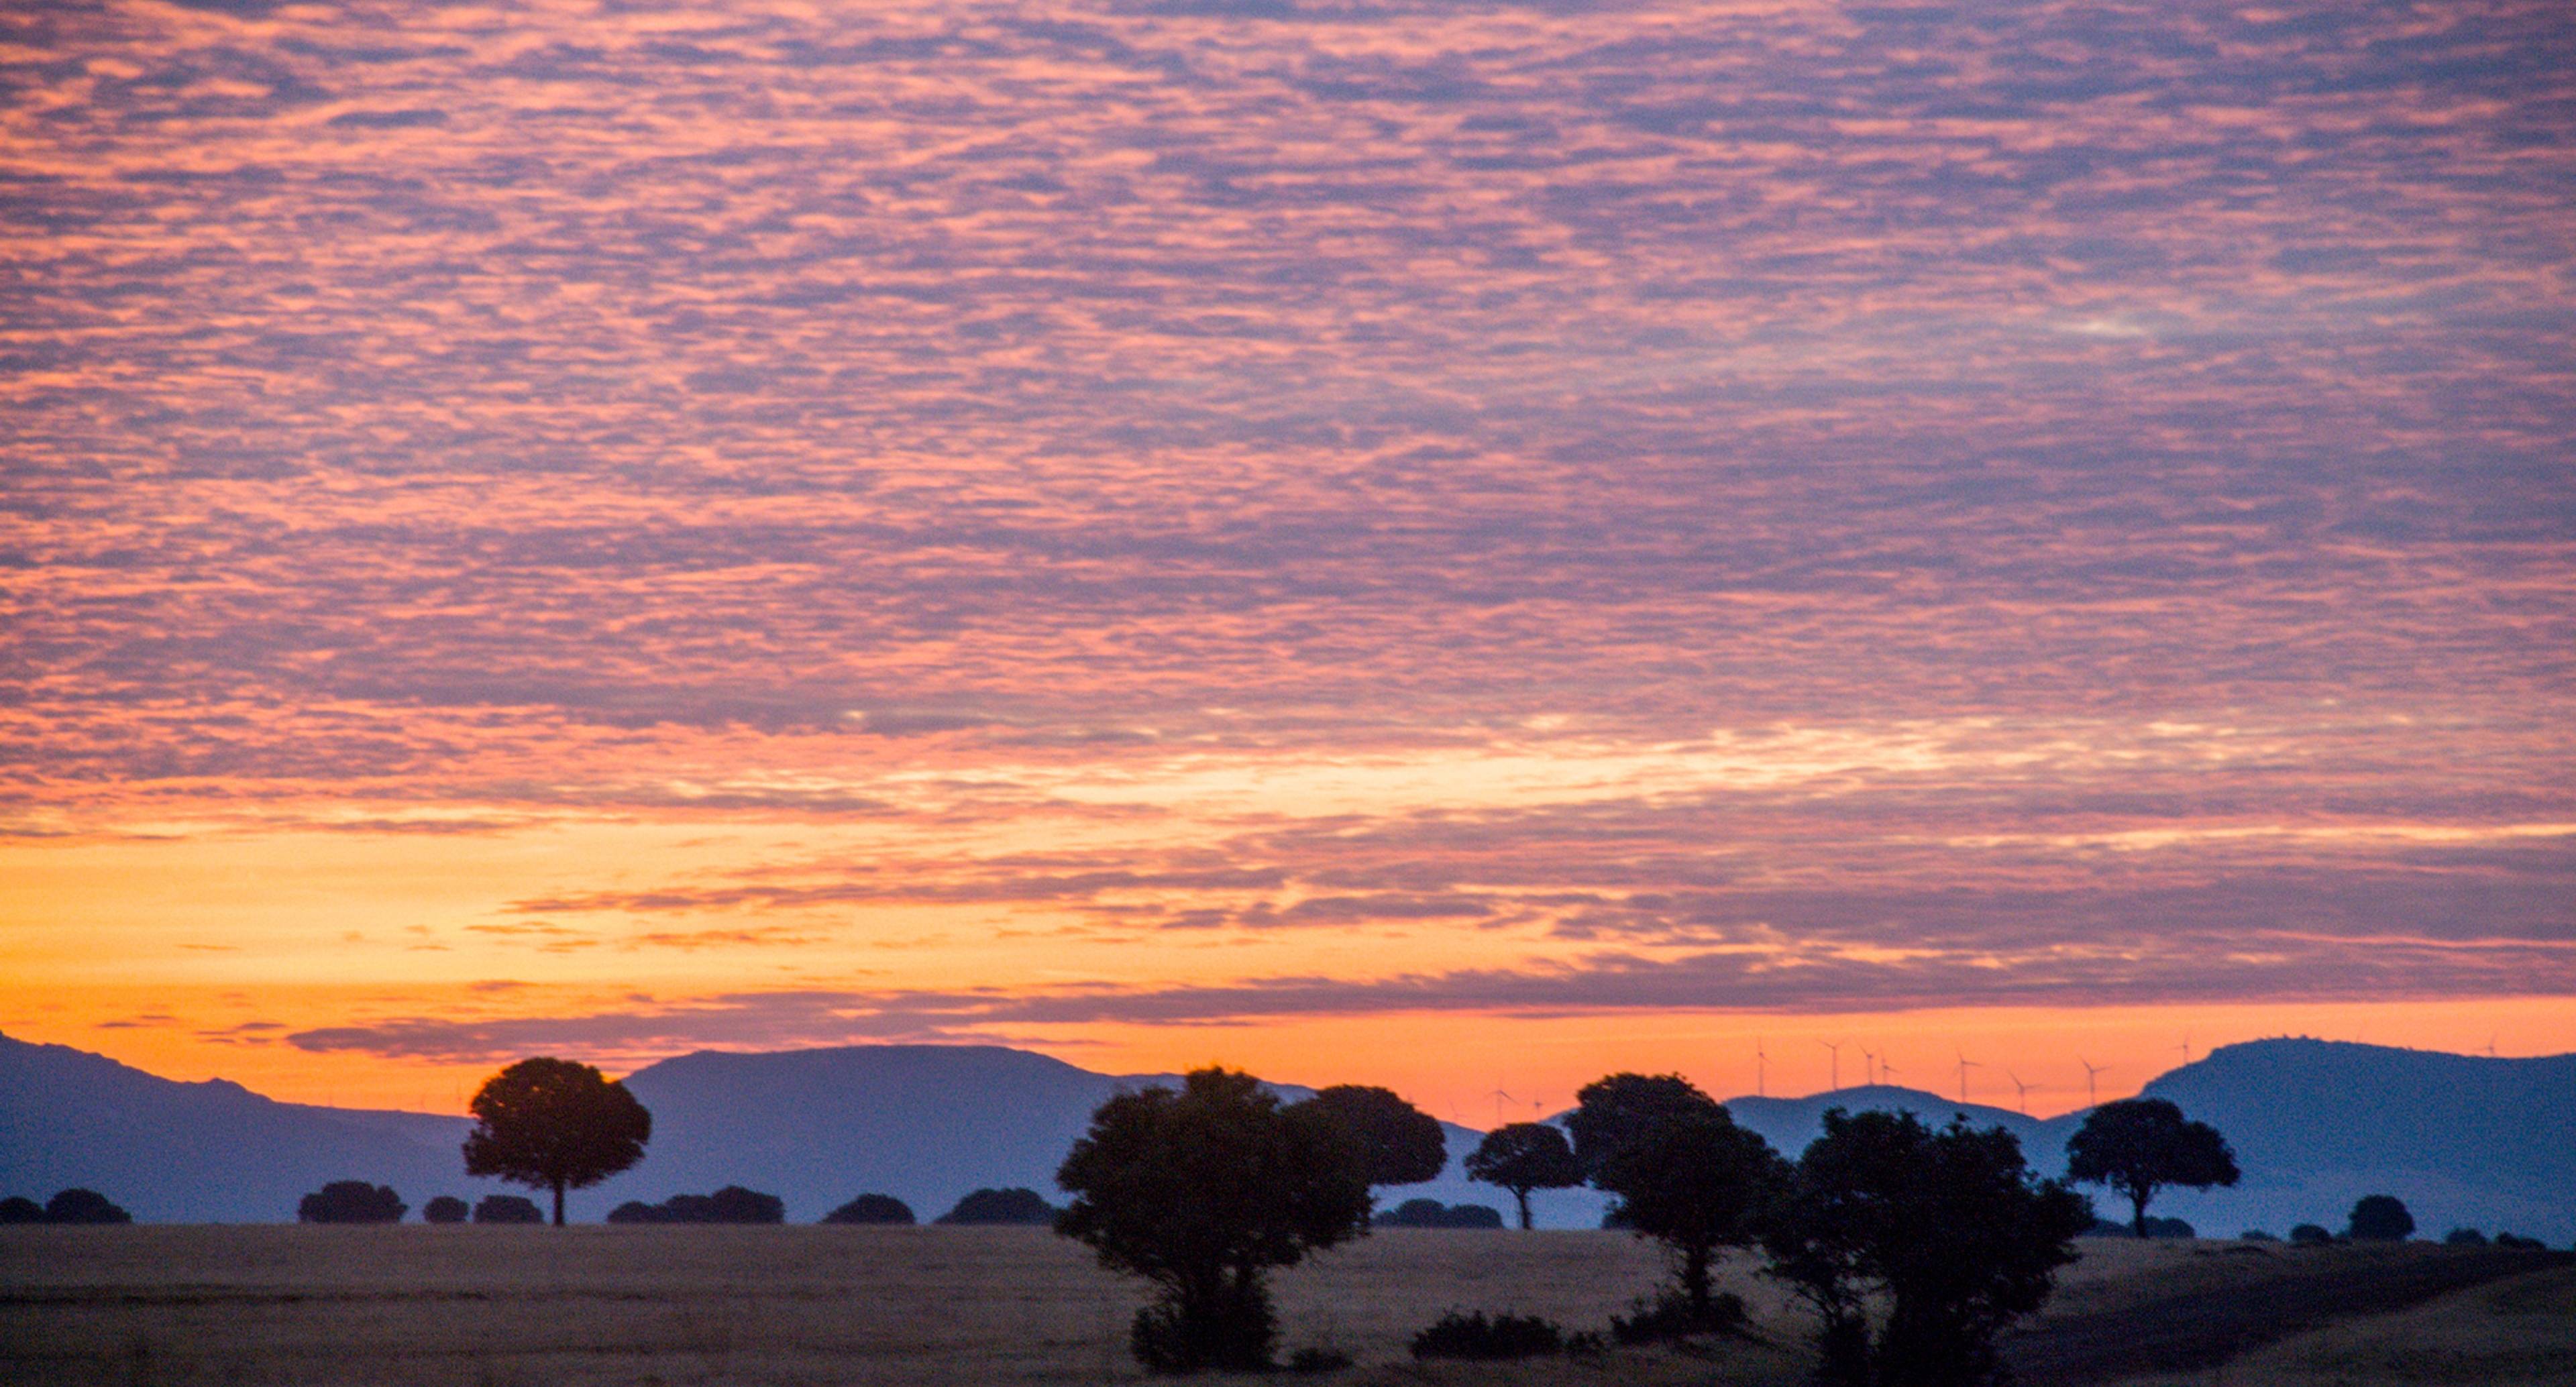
1761	1076
1965	1064
2022	1089
1836	1047
1884	1068
2186	1047
1869	1066
2091	1098
1500	1098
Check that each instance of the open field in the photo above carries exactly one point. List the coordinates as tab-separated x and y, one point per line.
592	1305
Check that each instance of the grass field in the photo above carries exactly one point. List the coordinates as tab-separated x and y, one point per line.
413	1304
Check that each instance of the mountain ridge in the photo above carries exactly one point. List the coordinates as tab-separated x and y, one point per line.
2316	1124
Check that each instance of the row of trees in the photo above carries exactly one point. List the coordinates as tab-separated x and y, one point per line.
74	1205
1205	1189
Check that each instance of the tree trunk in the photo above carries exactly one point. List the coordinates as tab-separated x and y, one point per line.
2138	1214
559	1187
1695	1276
1523	1197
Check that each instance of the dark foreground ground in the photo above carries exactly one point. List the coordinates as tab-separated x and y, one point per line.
937	1306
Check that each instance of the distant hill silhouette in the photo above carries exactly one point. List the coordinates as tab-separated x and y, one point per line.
2464	1141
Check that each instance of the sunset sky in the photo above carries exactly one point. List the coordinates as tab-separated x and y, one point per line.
1461	546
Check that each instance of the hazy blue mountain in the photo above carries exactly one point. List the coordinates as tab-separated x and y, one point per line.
211	1152
2483	1142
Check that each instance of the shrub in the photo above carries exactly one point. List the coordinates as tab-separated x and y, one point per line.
2310	1235
1431	1213
2381	1218
872	1208
2257	1235
446	1208
732	1204
1488	1340
2520	1243
2154	1228
508	1208
1014	1205
2465	1237
351	1201
78	1205
18	1208
1671	1317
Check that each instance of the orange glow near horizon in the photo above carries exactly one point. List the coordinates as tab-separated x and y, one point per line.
1445	546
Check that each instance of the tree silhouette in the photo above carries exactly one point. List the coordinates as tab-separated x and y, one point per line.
732	1204
1201	1191
351	1201
445	1208
554	1124
1615	1111
1400	1144
507	1208
1013	1205
1522	1157
78	1205
18	1208
2380	1218
1431	1213
1949	1227
872	1208
2140	1145
1695	1182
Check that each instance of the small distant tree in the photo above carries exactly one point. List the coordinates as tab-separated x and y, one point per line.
18	1208
872	1208
2380	1218
2310	1235
554	1124
1697	1183
1399	1143
445	1208
1949	1227
1431	1213
1613	1112
1522	1157
507	1208
351	1201
1203	1190
78	1205
2140	1145
1013	1205
2464	1237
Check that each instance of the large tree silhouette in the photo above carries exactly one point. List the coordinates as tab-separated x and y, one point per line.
1400	1144
1525	1156
554	1124
1697	1183
1948	1228
1613	1112
1201	1191
2139	1145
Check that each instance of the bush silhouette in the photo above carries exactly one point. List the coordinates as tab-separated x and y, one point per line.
1431	1213
1202	1191
78	1205
18	1208
1669	1317
2257	1235
2140	1145
351	1201
2310	1235
1399	1143
1013	1205
2519	1243
2464	1237
553	1124
872	1208
446	1208
1525	1156
2380	1218
732	1204
1684	1173
1948	1228
1478	1339
508	1208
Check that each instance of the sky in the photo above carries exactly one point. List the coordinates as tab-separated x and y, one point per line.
1461	546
